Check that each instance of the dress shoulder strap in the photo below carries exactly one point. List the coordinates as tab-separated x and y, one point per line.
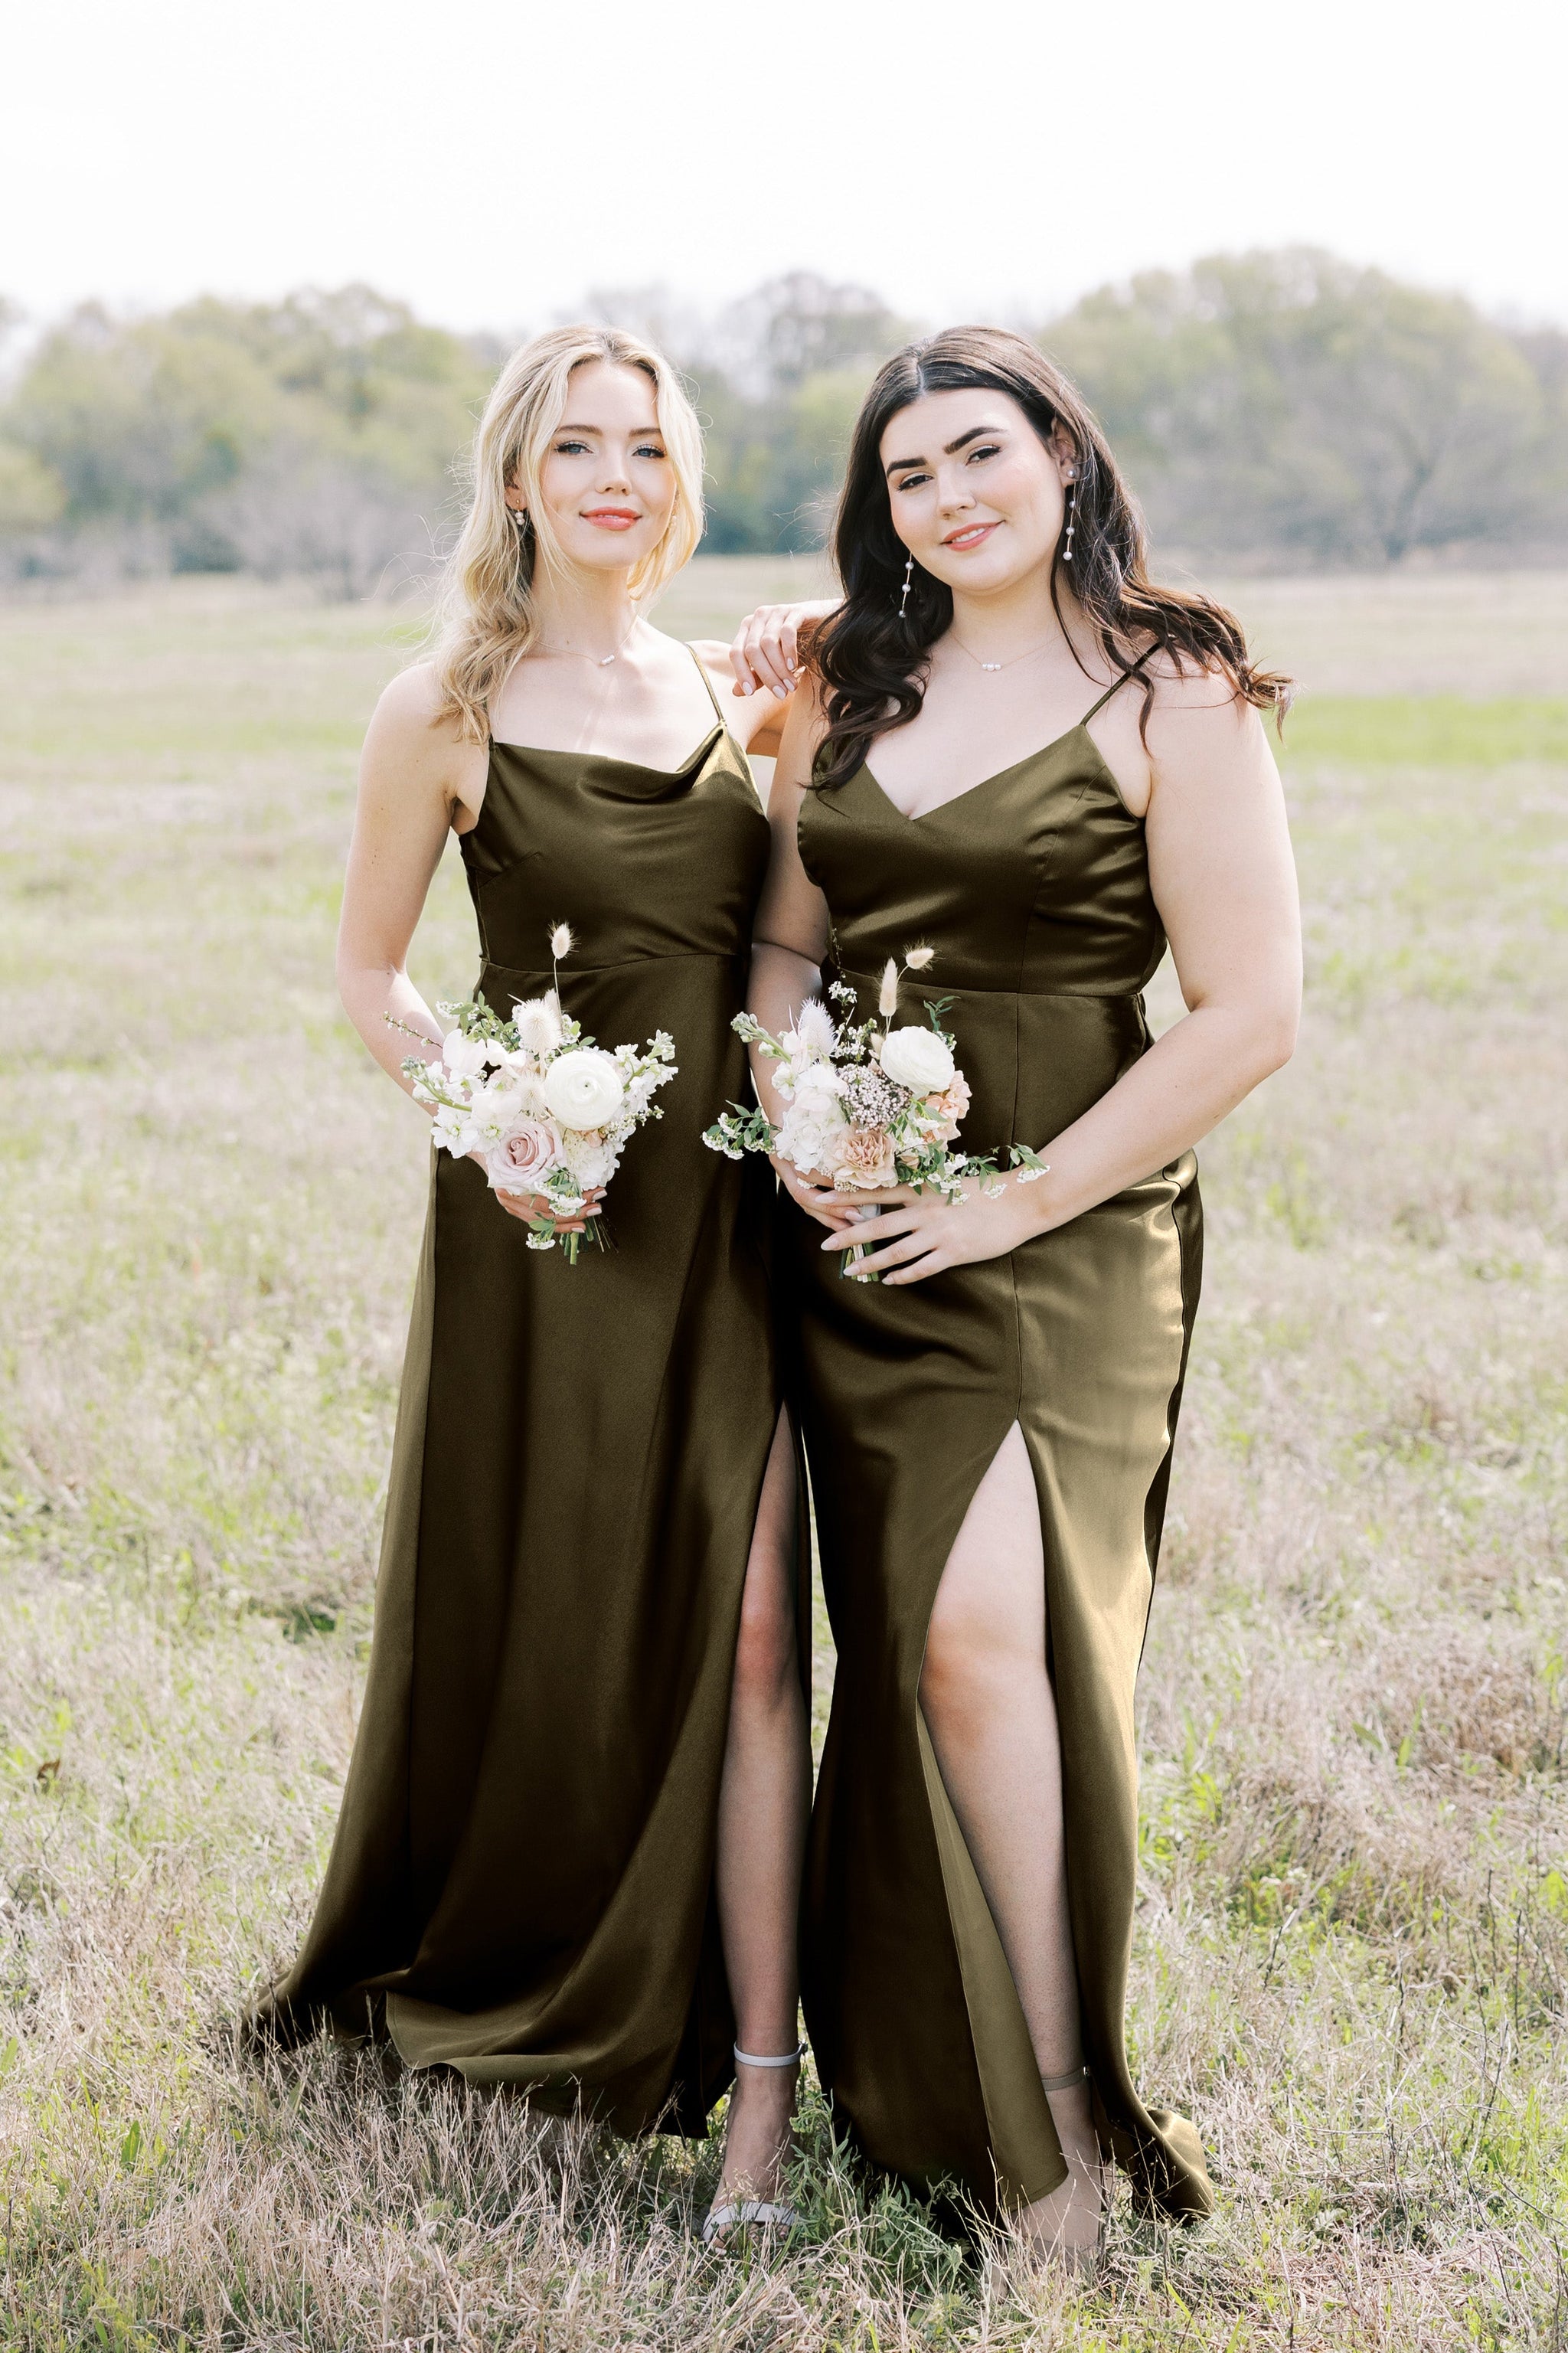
1115	688
702	674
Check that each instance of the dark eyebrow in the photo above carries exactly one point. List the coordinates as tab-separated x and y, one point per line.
950	448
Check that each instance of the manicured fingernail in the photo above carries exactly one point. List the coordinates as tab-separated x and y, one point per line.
746	686
783	693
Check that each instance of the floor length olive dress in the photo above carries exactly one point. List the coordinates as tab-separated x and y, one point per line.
1032	887
521	1883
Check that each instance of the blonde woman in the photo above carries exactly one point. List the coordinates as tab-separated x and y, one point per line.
569	1854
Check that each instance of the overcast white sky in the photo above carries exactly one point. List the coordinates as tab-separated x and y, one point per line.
490	162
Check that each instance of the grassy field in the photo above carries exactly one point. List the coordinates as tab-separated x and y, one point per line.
1351	1949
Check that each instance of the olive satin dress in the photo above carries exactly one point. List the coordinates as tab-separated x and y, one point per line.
1032	888
522	1881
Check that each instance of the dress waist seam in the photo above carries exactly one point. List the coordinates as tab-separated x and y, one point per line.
624	963
1014	995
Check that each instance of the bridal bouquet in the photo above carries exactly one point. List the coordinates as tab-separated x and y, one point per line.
549	1111
868	1105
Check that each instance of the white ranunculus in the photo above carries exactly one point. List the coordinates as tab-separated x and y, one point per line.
583	1087
465	1056
814	1036
538	1023
917	1059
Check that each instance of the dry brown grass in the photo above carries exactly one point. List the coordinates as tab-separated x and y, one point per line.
1352	1935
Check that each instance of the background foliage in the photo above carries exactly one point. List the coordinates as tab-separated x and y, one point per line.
1283	409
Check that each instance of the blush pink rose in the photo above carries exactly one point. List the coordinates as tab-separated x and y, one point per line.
951	1105
527	1155
863	1160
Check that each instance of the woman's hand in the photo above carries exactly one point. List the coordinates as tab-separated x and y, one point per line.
816	1197
767	645
919	1234
533	1207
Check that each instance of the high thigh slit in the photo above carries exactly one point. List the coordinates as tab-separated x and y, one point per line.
1034	892
522	1884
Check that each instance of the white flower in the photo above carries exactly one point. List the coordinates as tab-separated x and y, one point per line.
583	1089
814	1036
887	998
916	959
449	1125
591	1158
809	1137
538	1022
817	1087
523	1083
464	1057
917	1059
560	939
496	1108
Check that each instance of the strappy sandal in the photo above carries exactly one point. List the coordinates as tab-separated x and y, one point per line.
1079	2262
736	2213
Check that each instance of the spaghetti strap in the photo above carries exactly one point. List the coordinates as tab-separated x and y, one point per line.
702	673
1115	688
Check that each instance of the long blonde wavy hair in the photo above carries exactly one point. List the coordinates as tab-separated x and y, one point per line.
487	614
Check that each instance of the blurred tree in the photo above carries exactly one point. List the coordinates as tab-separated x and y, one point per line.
780	376
1285	407
1290	404
315	435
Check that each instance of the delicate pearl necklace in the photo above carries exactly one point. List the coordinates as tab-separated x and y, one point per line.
600	661
1028	656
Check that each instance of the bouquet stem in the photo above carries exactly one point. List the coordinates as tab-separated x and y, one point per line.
849	1260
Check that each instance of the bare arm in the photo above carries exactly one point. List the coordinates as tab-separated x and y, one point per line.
413	773
408	773
1223	880
790	940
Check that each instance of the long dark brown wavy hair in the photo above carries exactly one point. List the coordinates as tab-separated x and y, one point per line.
873	665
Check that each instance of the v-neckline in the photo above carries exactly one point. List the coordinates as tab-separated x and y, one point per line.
920	816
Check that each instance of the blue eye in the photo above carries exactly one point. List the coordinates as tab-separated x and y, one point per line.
648	449
570	449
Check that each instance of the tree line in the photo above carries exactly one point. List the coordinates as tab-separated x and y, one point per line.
1283	409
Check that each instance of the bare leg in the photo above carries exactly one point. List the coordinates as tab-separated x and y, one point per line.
992	1716
764	1800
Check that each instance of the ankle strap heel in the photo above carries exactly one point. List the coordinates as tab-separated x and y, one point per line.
785	2059
1065	2083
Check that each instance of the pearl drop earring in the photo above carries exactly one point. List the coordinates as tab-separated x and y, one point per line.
909	575
1072	518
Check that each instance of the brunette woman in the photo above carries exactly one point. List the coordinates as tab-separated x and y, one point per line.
1023	754
568	1858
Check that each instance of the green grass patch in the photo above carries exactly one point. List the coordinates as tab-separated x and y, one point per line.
1426	730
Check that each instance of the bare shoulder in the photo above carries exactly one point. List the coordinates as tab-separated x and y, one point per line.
410	707
415	740
1198	717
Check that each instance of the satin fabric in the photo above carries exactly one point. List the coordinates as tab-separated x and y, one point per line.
1032	888
521	1882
